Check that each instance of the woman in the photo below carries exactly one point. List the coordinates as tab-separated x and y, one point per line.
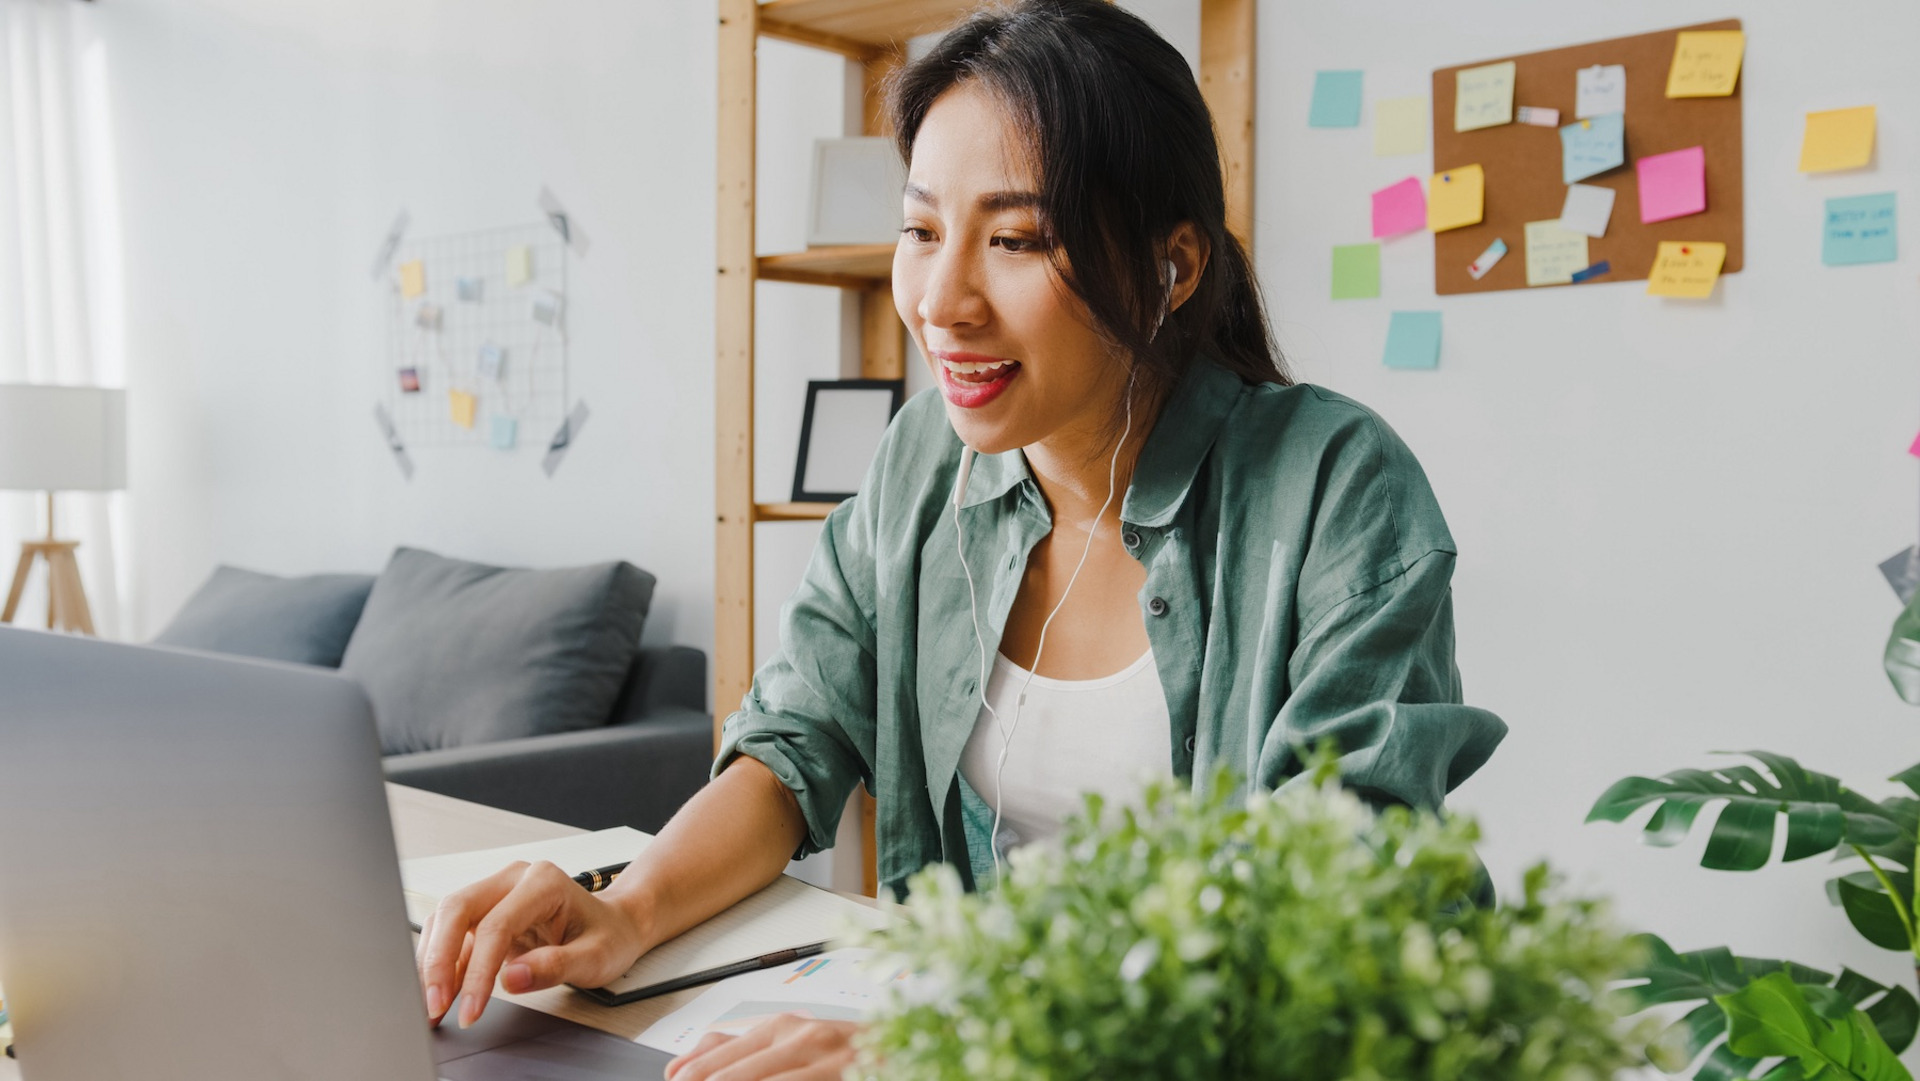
1252	566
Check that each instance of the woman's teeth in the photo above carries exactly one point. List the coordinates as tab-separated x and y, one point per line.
977	371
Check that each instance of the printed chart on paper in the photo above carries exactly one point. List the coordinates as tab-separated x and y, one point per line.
476	337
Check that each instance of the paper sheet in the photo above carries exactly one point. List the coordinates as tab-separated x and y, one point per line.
1837	139
429	878
839	985
1592	146
1456	198
413	278
1860	229
1554	254
1413	340
1599	90
1336	100
519	265
1686	268
1588	209
1706	63
1538	116
1356	271
501	434
1672	185
1400	126
1483	96
1399	208
462	407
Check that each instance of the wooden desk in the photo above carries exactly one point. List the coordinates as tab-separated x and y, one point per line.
427	824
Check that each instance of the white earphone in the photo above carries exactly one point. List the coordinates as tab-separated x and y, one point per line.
973	607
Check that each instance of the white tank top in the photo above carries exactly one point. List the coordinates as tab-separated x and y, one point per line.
1102	735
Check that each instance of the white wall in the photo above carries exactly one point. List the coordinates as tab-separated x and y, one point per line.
1668	513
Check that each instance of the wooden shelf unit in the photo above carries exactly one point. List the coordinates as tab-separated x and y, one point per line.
872	33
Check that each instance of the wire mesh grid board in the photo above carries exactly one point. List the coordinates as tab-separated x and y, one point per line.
476	337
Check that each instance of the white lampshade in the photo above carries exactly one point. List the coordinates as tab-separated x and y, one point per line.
62	439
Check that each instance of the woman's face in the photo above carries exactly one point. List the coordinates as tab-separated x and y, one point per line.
1013	351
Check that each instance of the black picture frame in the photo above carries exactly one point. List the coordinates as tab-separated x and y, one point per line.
895	388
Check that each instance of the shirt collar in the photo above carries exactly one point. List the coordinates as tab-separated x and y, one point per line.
1168	463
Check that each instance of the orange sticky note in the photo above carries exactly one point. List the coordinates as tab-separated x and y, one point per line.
413	279
1706	63
1456	197
1837	139
463	406
1686	268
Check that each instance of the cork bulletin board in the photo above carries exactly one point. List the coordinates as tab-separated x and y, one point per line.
1522	162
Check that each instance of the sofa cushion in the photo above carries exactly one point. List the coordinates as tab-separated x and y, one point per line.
453	653
305	620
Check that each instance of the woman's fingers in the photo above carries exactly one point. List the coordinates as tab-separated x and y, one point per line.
444	949
789	1047
542	891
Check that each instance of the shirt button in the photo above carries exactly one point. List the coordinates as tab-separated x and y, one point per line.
1130	538
1157	606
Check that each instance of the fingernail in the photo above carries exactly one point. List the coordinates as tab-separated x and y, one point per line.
436	1001
516	977
466	1004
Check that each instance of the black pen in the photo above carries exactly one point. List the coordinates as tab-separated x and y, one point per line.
599	878
711	975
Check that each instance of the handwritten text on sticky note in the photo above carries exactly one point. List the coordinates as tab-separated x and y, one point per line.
1592	146
1599	90
1554	254
1686	268
1483	97
1860	229
1706	63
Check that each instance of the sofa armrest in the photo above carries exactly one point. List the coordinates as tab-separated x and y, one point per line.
635	774
662	677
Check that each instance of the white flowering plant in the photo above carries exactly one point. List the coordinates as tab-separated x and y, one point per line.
1297	936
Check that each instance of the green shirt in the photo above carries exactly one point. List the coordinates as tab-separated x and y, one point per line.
1298	573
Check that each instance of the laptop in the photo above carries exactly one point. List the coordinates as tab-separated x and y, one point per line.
198	881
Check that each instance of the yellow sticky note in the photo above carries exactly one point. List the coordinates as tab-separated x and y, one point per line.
1399	127
519	265
1686	268
413	279
1554	254
1456	197
1706	63
1483	96
463	406
1837	139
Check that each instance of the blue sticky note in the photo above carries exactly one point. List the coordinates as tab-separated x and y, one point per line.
1413	340
502	432
1592	146
1336	100
1860	229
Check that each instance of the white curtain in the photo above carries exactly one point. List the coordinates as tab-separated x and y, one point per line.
59	293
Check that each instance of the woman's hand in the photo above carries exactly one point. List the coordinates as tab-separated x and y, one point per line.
793	1047
528	924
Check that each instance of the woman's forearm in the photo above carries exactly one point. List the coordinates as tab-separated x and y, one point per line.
731	839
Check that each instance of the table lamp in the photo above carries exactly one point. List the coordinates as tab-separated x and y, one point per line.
59	439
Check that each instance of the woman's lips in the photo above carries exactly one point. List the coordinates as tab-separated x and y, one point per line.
973	389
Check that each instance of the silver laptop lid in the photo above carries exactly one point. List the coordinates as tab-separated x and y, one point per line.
197	873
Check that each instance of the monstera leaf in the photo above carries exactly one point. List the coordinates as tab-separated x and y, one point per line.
1705	976
1822	813
1773	1015
1902	657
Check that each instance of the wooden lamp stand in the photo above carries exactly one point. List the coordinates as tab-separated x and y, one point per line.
66	600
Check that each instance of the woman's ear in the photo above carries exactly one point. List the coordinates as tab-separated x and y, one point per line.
1187	250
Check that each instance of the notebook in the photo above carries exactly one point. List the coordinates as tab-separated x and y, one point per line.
788	914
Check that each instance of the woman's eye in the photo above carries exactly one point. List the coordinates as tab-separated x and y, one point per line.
1014	245
916	233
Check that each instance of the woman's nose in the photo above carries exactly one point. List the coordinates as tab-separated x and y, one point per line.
951	295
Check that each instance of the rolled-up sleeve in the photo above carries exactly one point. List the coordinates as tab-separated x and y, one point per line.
1375	674
809	716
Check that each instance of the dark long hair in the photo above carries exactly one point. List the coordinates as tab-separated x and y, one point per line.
1123	147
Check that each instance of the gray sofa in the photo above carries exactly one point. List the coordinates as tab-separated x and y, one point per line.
521	689
650	758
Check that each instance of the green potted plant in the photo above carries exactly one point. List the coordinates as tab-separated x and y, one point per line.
1779	1018
1294	935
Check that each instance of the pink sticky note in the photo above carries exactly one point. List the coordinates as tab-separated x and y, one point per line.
1915	448
1673	185
1401	208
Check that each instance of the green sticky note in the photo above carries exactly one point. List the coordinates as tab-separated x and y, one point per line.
1336	100
1860	229
1413	340
1356	271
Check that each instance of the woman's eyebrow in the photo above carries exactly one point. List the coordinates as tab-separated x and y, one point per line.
991	201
